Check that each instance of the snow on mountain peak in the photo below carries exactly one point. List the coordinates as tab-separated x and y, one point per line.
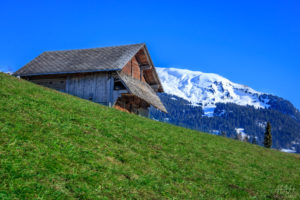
208	89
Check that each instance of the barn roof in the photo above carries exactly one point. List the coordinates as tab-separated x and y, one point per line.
81	60
142	90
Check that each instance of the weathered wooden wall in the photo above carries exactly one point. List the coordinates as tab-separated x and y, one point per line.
57	83
132	104
95	87
132	68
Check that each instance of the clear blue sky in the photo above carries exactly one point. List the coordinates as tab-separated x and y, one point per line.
256	43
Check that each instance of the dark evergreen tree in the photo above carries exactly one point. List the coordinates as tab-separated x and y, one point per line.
268	136
254	141
223	133
246	139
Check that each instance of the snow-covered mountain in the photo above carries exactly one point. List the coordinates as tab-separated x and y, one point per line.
207	89
219	107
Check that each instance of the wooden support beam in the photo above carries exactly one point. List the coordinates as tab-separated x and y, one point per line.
138	59
127	95
145	67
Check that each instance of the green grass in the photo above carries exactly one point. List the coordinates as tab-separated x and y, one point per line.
55	146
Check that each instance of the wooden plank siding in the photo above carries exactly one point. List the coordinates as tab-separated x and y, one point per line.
98	87
54	83
94	87
132	104
132	68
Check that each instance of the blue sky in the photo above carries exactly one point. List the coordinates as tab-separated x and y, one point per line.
256	43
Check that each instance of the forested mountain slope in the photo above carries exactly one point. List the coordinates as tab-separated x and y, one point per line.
229	118
215	104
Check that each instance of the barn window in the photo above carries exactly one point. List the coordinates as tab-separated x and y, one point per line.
50	82
119	86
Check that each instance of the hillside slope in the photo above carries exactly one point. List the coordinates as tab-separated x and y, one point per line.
55	146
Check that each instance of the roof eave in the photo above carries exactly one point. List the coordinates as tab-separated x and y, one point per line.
163	109
155	73
74	72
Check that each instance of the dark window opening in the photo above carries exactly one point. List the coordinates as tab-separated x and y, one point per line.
50	82
119	86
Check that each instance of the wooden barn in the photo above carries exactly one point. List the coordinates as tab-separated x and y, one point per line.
123	77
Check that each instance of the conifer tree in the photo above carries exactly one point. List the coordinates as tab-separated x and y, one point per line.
223	133
268	136
246	139
254	141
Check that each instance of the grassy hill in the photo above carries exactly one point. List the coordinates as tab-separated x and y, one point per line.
55	146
